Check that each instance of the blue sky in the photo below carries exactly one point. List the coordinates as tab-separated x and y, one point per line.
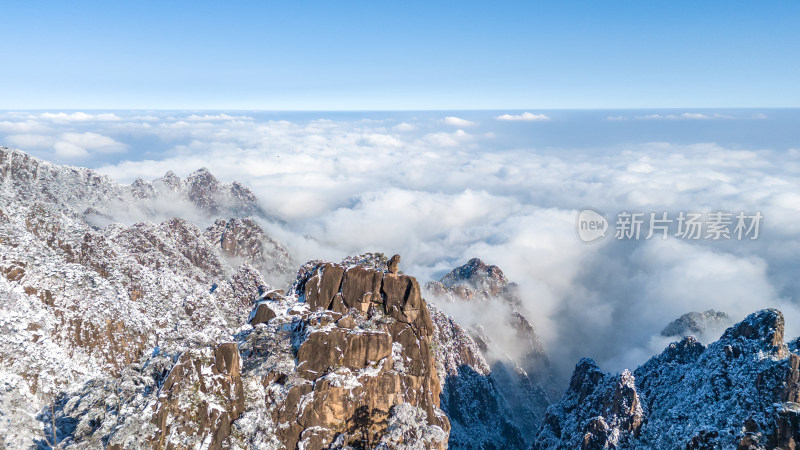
399	55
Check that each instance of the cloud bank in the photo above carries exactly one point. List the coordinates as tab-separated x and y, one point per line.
412	185
524	117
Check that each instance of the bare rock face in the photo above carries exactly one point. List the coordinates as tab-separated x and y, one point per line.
184	420
263	314
360	286
320	289
353	368
324	351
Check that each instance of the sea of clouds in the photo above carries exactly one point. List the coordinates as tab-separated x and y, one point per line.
441	188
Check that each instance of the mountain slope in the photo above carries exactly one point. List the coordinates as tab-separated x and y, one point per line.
519	371
163	334
739	392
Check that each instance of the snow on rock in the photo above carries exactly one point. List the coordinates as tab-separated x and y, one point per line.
518	366
739	392
86	299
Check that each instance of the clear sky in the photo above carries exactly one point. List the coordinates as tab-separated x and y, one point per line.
305	55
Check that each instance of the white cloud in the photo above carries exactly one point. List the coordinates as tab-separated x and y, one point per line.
215	117
68	150
444	139
404	127
381	140
25	141
684	116
80	145
62	117
27	126
438	196
524	117
458	122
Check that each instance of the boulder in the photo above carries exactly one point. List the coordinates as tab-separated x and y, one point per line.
263	314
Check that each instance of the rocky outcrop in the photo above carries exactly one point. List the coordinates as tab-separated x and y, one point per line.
478	278
200	398
208	194
597	411
392	264
739	392
354	367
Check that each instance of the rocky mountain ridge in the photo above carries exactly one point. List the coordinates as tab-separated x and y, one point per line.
199	332
739	392
166	335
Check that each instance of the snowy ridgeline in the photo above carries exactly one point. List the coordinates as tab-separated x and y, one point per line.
739	392
120	332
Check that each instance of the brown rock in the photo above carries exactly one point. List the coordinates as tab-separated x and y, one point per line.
323	285
791	386
392	264
181	413
346	322
263	314
338	304
226	359
361	285
358	413
324	351
402	298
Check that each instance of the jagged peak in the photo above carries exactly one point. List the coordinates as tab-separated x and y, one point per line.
685	351
171	180
476	278
586	376
201	174
764	326
474	270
